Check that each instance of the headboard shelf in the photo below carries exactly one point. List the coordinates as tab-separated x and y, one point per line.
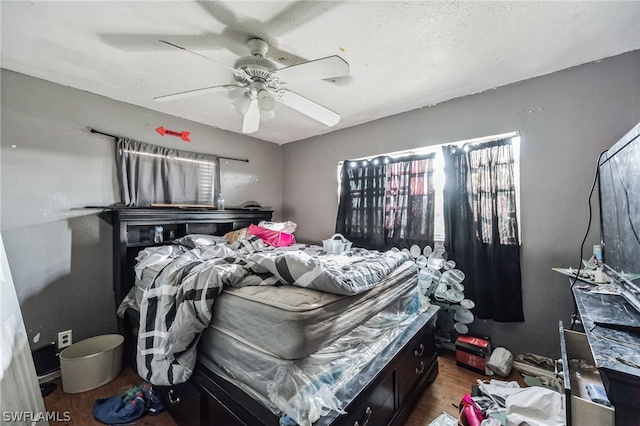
181	215
134	228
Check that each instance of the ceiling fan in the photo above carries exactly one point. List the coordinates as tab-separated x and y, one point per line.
259	85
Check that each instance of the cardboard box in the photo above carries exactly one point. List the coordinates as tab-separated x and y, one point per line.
473	353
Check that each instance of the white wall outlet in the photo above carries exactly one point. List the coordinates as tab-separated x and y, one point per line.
64	339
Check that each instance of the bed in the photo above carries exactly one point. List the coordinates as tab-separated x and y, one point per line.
279	349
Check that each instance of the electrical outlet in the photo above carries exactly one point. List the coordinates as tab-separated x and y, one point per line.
64	339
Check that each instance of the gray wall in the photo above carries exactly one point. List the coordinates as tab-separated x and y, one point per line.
565	119
51	167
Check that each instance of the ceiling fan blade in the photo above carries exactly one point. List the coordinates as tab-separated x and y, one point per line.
196	92
297	14
332	66
308	107
233	70
251	120
131	42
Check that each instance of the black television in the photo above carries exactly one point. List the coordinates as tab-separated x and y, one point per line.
619	190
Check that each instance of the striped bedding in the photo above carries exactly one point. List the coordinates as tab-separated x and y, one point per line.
178	305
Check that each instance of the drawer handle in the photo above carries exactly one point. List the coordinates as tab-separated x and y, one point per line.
171	399
416	353
421	369
367	412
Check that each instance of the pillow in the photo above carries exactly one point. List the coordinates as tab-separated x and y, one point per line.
199	240
238	234
273	238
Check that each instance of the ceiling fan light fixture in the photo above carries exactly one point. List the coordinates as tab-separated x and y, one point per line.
266	101
241	104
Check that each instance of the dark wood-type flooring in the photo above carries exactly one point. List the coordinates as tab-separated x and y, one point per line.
443	395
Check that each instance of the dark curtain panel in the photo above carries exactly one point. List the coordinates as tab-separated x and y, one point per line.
361	209
410	201
481	229
150	174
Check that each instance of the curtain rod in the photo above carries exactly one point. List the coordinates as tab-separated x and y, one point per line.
431	148
219	156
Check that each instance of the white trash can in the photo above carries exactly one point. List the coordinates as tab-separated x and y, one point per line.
91	363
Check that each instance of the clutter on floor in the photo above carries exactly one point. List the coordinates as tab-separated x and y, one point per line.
473	353
552	383
498	390
534	365
444	419
539	371
535	406
499	403
503	403
128	407
500	362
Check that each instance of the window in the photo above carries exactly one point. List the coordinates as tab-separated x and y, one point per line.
463	195
365	220
387	202
491	178
150	174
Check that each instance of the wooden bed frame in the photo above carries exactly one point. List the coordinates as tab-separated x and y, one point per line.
384	393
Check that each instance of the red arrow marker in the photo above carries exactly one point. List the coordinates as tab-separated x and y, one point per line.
184	135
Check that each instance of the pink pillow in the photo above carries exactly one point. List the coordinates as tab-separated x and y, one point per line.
273	238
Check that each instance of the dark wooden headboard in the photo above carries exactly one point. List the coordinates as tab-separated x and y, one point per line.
134	229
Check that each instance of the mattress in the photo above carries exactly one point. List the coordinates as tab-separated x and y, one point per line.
291	322
306	388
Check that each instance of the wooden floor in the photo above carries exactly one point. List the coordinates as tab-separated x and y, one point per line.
80	405
443	395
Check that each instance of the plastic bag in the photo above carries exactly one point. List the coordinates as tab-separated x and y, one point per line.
501	362
288	226
305	389
444	419
535	406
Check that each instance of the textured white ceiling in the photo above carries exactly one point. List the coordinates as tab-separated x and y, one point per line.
402	55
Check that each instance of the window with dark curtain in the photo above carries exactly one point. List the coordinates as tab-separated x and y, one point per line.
481	228
386	202
361	209
150	174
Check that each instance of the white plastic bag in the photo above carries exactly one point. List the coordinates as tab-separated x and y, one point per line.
444	419
500	362
535	406
289	227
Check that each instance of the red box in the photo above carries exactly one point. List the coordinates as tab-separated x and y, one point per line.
473	353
